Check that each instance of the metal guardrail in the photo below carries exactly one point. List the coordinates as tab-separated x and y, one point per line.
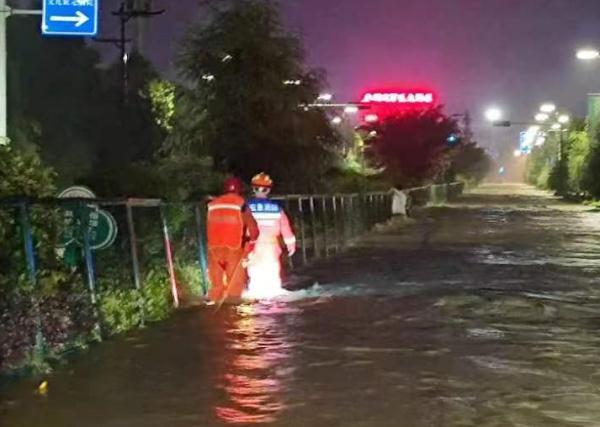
170	237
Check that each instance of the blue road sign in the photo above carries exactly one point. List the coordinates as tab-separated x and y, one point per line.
70	18
524	144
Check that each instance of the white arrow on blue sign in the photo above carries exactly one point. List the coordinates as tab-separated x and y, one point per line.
70	18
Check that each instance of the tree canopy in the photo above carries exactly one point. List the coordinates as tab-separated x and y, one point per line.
412	146
249	84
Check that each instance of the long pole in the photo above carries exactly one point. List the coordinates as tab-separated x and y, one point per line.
29	249
201	249
5	12
169	257
91	279
135	259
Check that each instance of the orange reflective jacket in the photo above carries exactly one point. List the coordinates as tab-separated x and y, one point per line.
225	225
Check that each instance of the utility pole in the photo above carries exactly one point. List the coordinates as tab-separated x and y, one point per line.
5	12
125	13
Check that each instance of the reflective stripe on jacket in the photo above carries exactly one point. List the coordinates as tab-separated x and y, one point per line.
225	225
272	222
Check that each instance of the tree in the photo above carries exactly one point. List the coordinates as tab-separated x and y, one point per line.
579	143
470	163
413	146
74	111
53	86
247	118
591	177
130	132
21	174
546	170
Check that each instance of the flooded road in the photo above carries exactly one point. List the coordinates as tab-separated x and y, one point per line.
483	313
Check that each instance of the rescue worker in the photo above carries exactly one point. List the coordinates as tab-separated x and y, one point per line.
264	267
231	234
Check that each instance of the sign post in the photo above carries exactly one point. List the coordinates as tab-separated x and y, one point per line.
5	12
59	18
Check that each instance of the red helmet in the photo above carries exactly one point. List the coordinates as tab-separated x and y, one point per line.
233	185
262	180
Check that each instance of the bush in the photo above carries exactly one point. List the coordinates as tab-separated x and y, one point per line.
121	309
591	177
21	174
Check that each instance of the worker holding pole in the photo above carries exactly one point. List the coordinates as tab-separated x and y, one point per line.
231	234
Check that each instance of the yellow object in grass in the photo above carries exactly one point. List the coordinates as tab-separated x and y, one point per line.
43	388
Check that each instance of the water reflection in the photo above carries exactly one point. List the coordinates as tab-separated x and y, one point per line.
253	373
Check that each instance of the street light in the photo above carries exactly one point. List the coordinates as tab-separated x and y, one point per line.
336	120
563	119
493	114
555	126
325	97
371	118
587	54
541	117
548	108
351	109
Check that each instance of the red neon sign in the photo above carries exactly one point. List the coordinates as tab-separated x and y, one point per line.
398	97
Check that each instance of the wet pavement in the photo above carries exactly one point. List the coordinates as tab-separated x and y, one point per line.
482	313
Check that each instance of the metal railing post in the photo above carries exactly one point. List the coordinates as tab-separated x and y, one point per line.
353	211
289	213
372	211
32	276
169	256
302	231
202	262
342	212
313	226
325	225
364	217
91	277
135	259
336	224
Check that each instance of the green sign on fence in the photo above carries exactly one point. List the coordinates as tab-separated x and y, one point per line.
101	226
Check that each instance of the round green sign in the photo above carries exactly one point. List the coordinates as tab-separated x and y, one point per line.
103	230
101	226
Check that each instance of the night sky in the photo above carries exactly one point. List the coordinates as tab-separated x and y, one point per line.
513	53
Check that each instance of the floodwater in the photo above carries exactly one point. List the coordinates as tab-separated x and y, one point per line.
483	313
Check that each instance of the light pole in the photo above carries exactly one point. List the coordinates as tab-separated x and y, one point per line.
126	13
493	115
547	111
5	12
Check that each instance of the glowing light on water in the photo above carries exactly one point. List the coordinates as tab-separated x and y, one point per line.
253	387
265	280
